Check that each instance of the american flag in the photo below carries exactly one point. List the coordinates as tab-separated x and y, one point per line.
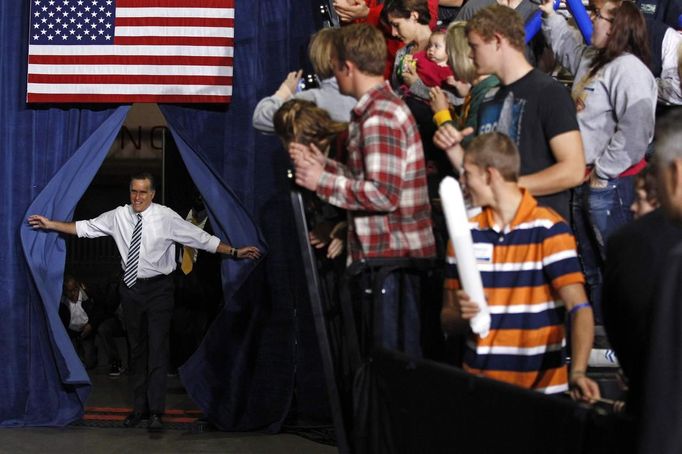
120	51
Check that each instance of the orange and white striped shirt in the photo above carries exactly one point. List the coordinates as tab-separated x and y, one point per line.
522	266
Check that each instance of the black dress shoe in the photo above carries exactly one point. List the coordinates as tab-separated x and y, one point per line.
133	419
155	423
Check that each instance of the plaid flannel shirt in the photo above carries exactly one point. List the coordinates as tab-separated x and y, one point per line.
383	185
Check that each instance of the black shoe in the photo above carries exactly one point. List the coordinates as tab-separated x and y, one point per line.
133	419
155	423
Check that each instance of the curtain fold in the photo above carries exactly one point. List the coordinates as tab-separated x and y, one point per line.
34	143
45	252
261	349
217	375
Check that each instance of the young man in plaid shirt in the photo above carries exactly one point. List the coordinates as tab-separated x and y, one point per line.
383	183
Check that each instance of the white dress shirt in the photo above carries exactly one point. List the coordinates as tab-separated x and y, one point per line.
161	229
79	318
669	88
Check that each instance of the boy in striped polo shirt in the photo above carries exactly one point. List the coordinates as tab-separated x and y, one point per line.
527	258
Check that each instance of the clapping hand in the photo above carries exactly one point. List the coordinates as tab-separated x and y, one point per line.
447	136
350	10
439	100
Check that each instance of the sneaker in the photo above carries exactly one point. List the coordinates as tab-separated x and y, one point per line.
115	370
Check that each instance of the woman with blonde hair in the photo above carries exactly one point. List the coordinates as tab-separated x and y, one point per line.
470	84
327	96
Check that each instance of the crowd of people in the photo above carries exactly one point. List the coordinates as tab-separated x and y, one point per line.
554	173
575	193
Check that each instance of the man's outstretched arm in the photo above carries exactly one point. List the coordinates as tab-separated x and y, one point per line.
39	222
246	252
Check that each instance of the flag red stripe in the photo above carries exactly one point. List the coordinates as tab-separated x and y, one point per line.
172	41
74	98
127	60
128	79
174	4
173	22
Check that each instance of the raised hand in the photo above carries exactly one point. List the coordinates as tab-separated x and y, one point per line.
288	87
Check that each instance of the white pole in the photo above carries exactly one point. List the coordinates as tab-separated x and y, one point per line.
460	235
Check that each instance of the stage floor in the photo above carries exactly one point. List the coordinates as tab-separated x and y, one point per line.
110	397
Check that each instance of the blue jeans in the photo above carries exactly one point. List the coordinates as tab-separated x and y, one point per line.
389	311
597	213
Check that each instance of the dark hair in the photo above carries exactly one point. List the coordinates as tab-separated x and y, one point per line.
495	150
499	19
362	44
403	9
628	34
145	176
70	278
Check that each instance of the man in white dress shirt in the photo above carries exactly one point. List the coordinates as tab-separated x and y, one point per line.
145	234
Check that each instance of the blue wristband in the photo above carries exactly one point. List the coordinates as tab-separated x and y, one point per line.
578	307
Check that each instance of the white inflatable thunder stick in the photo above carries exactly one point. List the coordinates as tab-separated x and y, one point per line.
460	235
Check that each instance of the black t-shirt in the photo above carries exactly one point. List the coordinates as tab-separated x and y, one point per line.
532	111
668	11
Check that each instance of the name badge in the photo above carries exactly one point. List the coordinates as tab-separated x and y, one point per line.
483	252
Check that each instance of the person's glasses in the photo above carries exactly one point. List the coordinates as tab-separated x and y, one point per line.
597	13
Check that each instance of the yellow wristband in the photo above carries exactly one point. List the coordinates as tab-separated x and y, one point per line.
442	116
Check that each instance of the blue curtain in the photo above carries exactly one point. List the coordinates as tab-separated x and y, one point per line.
262	346
45	253
40	381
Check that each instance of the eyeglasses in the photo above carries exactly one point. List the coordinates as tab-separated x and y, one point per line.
597	13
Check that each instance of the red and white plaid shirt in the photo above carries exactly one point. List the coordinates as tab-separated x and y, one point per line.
383	184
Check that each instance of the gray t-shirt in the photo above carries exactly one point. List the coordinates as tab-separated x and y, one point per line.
525	9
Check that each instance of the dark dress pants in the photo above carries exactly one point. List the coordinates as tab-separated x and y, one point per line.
147	309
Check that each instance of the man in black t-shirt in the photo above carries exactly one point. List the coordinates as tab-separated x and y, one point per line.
532	108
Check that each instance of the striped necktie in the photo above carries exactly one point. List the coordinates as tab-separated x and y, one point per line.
130	275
